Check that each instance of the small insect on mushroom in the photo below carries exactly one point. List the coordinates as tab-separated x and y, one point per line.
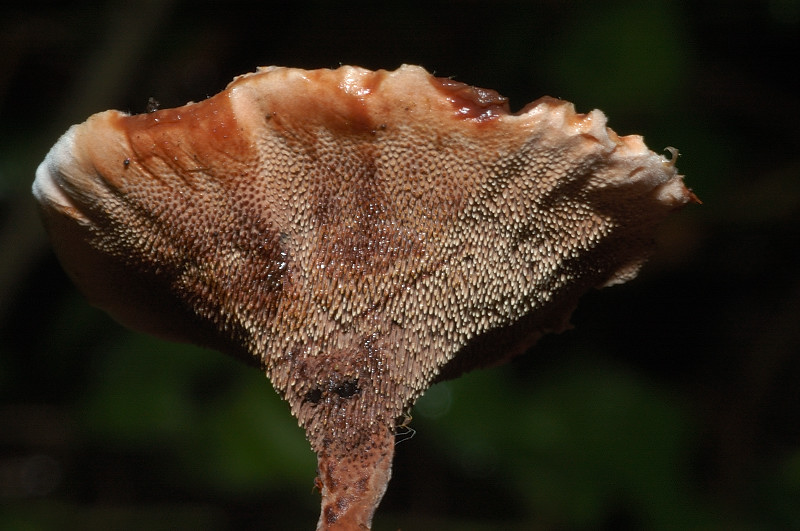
358	235
152	104
403	430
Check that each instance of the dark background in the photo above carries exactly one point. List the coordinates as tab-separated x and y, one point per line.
673	404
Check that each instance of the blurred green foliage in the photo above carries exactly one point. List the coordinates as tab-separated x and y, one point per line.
673	405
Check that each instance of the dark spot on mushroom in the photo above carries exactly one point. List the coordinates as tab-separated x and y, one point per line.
347	389
330	516
313	395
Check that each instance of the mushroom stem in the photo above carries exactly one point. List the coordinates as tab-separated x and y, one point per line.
353	483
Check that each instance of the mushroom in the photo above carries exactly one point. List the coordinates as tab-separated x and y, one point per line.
358	235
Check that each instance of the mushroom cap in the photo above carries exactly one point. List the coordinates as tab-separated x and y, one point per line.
357	234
